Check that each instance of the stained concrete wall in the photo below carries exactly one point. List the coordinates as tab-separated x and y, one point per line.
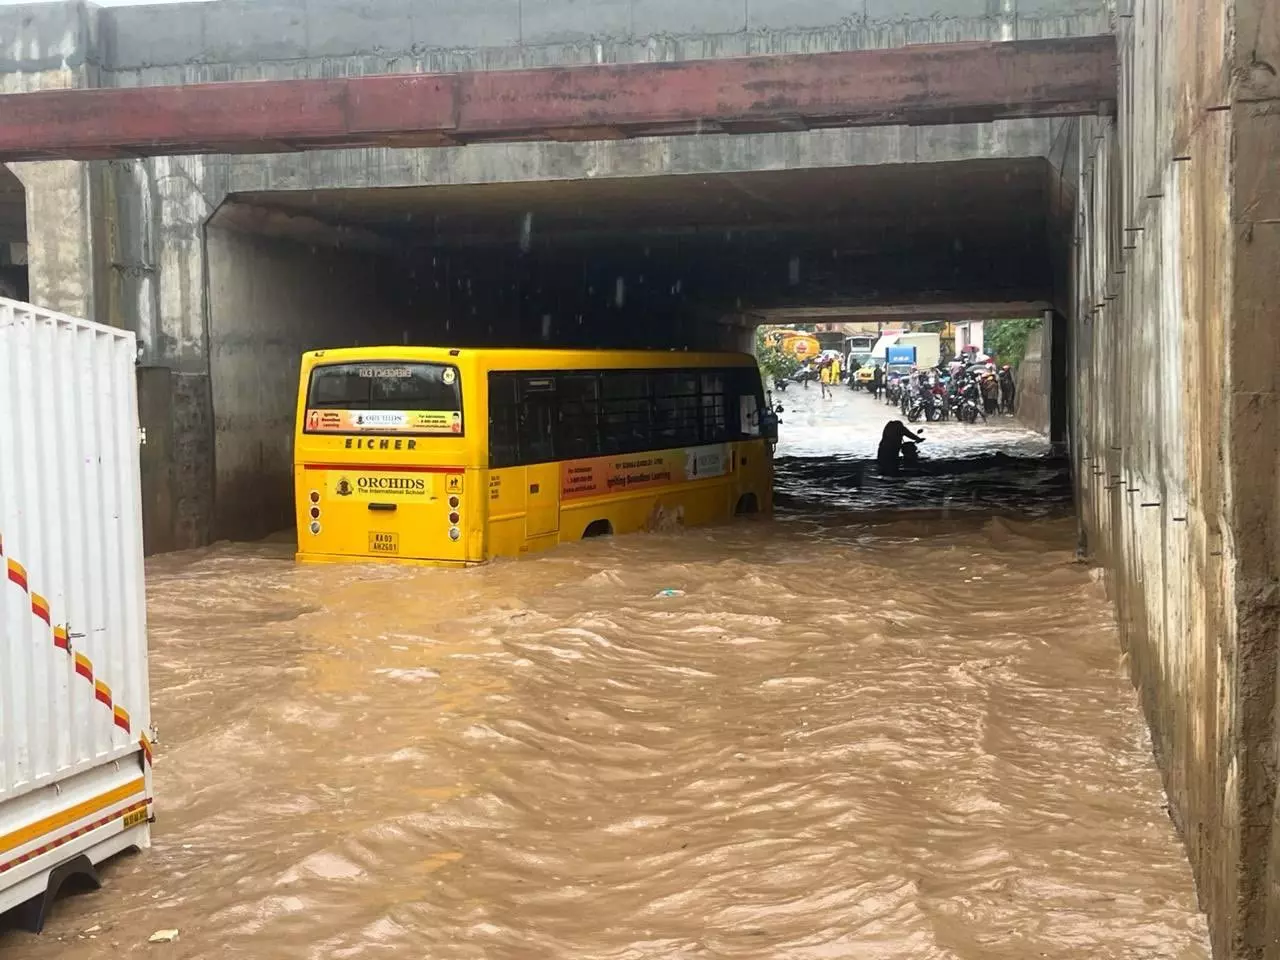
249	39
1034	382
272	299
1174	426
50	47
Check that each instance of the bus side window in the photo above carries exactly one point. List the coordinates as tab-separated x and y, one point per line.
675	408
749	420
715	422
750	402
504	421
578	423
625	421
538	418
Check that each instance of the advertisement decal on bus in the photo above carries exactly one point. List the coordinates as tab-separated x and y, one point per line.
384	421
598	476
381	486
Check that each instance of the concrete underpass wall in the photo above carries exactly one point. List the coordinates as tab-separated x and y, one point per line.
1175	426
254	39
272	299
1033	379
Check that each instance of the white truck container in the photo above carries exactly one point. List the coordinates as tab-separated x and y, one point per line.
75	748
928	347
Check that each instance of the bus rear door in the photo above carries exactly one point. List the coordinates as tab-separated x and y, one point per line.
542	478
382	463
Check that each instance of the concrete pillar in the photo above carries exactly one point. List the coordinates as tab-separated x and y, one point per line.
1056	340
1176	426
155	416
60	231
1251	420
1034	379
51	47
151	278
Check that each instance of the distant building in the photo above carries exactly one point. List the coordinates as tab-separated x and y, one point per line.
969	334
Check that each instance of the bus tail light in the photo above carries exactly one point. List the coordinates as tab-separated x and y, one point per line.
315	526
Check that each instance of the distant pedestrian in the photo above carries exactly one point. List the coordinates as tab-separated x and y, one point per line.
877	381
1008	390
826	376
990	388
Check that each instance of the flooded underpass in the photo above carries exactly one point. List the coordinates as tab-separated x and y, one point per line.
843	732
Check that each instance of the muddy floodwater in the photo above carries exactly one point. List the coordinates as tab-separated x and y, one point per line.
847	733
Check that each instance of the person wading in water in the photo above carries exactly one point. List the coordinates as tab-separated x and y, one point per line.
890	449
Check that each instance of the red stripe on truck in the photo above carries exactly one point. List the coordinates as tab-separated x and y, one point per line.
17	573
40	607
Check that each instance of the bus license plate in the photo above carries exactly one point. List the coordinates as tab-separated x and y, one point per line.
384	543
135	818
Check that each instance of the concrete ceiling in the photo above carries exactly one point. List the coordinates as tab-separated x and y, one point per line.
923	308
861	206
968	232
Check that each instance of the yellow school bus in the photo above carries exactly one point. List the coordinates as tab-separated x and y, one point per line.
454	456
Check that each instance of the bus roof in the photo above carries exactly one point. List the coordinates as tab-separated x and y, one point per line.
534	358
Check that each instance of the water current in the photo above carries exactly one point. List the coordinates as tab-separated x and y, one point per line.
850	732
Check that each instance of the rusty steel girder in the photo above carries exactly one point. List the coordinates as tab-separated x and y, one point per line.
925	84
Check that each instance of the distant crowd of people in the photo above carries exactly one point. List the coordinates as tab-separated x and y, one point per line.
940	390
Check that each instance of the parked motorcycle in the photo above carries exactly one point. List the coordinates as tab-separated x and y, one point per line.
968	406
933	397
805	375
913	407
893	387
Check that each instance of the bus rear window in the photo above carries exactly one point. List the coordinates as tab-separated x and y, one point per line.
389	398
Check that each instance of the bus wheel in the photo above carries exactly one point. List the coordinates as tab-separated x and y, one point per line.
598	528
747	504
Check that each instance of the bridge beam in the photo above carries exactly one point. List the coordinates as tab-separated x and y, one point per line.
925	84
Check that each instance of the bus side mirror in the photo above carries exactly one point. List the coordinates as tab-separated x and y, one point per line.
769	425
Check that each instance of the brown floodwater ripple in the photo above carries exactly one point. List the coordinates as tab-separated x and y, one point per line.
904	737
